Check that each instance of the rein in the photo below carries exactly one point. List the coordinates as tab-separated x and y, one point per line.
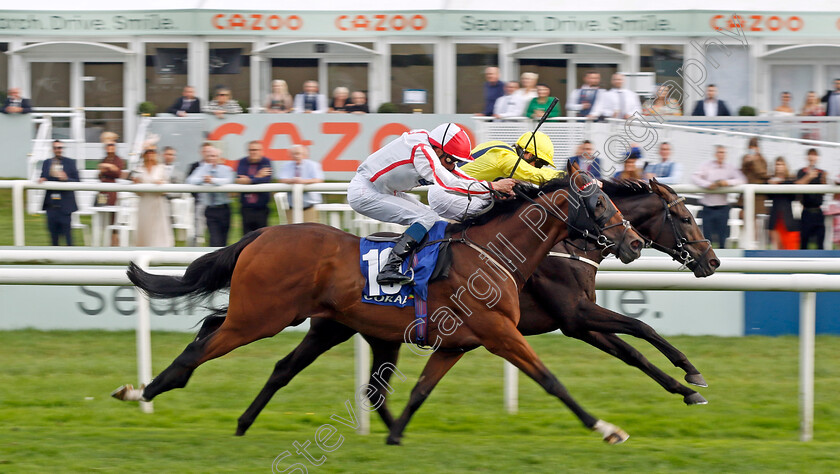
680	254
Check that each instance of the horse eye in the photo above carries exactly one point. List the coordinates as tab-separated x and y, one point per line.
687	220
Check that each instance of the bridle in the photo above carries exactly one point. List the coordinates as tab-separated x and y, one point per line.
680	252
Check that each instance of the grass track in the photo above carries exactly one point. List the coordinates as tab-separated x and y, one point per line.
750	424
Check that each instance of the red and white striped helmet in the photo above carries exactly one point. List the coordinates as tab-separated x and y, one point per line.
453	140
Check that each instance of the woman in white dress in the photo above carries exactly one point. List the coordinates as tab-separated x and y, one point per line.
154	226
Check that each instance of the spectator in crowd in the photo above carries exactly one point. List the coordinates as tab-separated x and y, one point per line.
59	204
223	104
663	104
302	170
188	103
15	104
832	100
631	165
510	104
493	89
339	101
784	230
666	171
540	104
279	100
527	90
812	106
200	204
310	101
154	228
587	160
812	222
216	205
254	169
581	100
711	106
712	175
785	107
173	175
358	103
617	102
110	169
754	169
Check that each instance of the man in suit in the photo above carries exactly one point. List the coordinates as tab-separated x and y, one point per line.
254	169
581	100
15	104
59	204
832	100
188	103
310	101
711	106
617	102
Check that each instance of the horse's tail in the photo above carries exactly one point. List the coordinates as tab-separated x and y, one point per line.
208	273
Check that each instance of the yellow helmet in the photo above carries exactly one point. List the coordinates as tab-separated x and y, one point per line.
540	146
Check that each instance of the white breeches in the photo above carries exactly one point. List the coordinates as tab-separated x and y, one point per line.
452	205
399	208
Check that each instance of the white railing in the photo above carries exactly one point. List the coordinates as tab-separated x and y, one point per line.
646	274
747	241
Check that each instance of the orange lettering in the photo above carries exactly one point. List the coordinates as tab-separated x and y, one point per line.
385	131
756	23
714	20
380	23
418	22
360	22
349	130
236	21
397	22
215	21
338	22
231	128
799	23
281	128
770	23
294	22
274	22
255	25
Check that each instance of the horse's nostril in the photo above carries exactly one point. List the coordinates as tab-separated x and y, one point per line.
714	263
636	244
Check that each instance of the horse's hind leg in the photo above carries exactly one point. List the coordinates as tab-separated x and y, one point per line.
598	319
436	367
323	335
615	346
513	347
385	355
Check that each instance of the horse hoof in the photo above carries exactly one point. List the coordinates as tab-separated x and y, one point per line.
612	434
696	379
128	393
695	399
393	441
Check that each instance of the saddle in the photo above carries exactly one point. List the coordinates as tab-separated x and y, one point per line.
444	260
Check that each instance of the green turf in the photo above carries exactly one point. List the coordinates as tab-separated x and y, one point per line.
750	424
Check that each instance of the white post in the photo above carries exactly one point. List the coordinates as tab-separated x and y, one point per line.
17	210
297	203
144	337
362	377
748	239
511	388
807	330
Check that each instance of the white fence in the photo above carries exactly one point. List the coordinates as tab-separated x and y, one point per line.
647	273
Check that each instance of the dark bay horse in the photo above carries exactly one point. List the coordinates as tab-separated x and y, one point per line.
282	275
551	300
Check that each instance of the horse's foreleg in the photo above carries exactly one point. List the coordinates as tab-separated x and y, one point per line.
615	346
323	335
513	347
437	366
598	319
385	354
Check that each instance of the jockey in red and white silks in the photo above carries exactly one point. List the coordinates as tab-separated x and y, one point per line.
414	159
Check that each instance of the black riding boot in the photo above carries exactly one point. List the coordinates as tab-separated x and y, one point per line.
390	273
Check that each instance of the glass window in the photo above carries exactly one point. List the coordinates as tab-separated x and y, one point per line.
797	80
412	68
295	71
4	69
471	60
166	73
662	59
731	76
230	67
50	84
104	90
353	76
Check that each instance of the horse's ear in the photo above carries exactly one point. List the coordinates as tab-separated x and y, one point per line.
572	167
654	184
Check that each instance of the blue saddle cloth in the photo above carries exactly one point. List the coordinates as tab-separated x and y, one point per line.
373	258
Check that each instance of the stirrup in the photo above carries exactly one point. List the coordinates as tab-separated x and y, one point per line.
406	279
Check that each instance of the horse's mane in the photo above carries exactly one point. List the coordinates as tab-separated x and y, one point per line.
625	188
507	206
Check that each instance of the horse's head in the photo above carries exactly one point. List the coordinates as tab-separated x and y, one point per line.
593	216
672	230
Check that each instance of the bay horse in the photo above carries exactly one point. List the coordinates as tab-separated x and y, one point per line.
550	301
280	276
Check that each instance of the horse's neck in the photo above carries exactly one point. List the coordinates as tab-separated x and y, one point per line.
579	247
639	210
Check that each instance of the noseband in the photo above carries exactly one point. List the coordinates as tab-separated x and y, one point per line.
680	251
